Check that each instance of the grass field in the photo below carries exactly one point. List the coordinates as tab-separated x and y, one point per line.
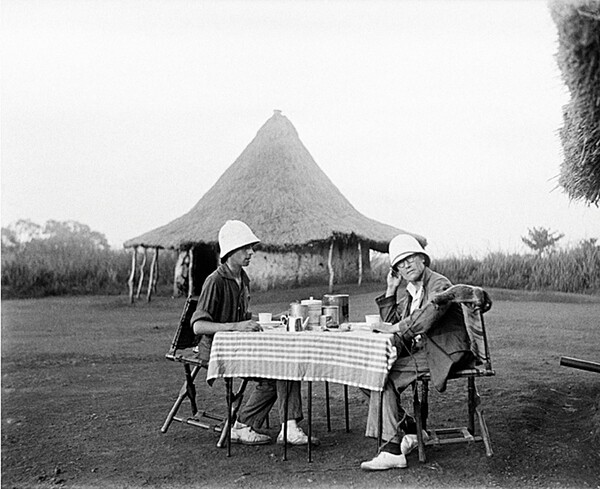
86	388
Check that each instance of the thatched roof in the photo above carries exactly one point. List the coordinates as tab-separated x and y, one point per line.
578	23
275	187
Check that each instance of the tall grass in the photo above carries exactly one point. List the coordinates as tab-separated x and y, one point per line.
40	269
574	270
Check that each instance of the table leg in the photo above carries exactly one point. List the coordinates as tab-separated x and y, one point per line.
379	420
346	412
229	385
327	406
285	411
310	421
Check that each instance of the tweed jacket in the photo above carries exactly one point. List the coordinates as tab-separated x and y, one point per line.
446	340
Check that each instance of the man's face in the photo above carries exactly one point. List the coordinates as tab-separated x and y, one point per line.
242	256
411	268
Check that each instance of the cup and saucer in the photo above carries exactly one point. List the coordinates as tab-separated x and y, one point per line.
265	319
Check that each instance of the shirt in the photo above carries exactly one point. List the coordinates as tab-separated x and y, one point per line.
222	300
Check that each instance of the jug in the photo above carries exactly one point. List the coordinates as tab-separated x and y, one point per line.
296	323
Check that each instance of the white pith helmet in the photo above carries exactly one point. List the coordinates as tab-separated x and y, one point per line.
404	245
234	235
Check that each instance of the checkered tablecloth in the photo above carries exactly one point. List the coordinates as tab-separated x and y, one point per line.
360	359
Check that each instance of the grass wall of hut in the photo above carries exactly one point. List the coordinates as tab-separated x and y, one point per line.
308	266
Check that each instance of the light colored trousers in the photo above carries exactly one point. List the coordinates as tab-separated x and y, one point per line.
266	392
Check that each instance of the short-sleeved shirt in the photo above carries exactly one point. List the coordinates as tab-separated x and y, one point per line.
222	300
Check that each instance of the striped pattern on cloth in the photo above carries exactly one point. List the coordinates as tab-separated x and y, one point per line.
476	332
359	359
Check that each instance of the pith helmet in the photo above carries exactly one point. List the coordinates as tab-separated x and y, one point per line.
404	245
234	235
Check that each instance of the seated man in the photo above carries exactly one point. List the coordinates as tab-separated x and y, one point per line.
223	306
429	336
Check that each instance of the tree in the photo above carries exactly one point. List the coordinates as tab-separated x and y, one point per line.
53	234
541	240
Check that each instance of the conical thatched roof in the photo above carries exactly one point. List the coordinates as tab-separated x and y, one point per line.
578	23
275	187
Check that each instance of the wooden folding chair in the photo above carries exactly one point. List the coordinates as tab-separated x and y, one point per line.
182	351
473	315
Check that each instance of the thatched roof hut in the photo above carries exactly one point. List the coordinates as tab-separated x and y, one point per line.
578	57
276	187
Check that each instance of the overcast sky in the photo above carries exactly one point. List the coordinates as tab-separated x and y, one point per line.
439	117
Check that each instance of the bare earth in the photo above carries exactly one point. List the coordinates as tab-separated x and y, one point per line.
86	388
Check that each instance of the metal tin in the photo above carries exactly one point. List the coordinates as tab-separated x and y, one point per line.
325	322
333	312
314	311
343	303
299	310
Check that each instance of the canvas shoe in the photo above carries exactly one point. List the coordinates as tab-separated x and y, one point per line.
247	436
410	442
295	436
385	461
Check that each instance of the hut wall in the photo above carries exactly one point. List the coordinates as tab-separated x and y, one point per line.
307	266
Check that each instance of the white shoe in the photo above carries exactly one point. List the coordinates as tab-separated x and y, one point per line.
410	442
385	461
295	436
247	436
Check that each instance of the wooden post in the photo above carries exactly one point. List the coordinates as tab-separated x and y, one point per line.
360	264
153	275
141	279
191	273
131	280
330	266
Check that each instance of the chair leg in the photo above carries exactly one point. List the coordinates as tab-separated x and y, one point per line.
424	403
485	434
187	390
233	406
473	400
419	421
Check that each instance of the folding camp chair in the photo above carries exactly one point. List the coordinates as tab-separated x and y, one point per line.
182	351
473	307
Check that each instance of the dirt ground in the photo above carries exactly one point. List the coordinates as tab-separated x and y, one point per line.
86	388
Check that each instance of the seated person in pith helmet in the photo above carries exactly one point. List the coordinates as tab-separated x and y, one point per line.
223	306
429	338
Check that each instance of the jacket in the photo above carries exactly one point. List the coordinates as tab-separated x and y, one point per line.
446	339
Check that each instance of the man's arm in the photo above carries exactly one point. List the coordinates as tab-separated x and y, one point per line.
203	326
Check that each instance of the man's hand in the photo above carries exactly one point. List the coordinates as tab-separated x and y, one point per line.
249	325
393	282
385	328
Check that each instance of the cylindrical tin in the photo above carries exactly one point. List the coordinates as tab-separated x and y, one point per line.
343	303
298	310
325	321
333	312
314	311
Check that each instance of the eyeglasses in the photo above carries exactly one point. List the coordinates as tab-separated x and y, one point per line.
404	263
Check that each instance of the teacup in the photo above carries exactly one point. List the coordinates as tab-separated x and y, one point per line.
373	319
265	317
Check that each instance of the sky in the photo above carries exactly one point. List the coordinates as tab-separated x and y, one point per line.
437	117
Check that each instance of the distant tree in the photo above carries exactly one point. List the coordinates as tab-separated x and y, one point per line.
75	234
53	235
9	239
541	240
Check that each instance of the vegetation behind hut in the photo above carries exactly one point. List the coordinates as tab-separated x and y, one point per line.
37	268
